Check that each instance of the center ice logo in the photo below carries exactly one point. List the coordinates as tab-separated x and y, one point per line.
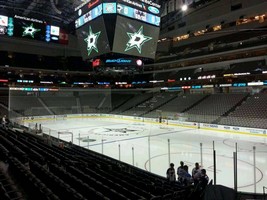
117	131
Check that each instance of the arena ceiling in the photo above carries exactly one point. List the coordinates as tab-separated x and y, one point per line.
58	12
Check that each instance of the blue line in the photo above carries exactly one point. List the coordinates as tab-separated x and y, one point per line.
90	127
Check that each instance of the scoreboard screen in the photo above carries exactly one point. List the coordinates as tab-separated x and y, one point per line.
85	7
153	9
35	29
6	25
138	14
93	39
89	16
109	8
148	14
125	27
31	28
135	38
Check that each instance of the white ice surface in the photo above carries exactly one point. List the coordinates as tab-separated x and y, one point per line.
133	139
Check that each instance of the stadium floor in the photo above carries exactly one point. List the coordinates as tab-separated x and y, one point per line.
130	142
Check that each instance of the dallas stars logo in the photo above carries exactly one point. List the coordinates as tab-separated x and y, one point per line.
137	40
30	30
91	41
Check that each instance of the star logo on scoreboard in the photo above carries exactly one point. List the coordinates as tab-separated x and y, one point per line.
91	41
30	30
137	40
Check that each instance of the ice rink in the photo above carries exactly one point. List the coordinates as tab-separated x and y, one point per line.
136	142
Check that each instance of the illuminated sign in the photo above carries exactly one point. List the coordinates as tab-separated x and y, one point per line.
48	33
109	8
174	88
33	89
119	60
25	81
82	83
54	30
255	83
135	38
239	85
29	19
142	6
134	3
86	7
92	4
153	10
226	85
46	82
138	82
31	28
3	20
207	77
124	61
242	74
196	87
96	63
208	86
92	39
120	83
81	5
112	8
89	16
103	83
6	25
149	2
186	87
156	81
141	3
3	30
138	14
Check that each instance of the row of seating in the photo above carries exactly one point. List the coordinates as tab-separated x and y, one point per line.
215	105
57	185
205	108
8	190
78	173
151	104
34	188
251	113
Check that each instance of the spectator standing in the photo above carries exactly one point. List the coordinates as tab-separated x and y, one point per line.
202	183
181	167
187	179
203	180
4	121
171	173
196	173
180	171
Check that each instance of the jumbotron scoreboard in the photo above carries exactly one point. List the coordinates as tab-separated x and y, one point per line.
127	27
31	28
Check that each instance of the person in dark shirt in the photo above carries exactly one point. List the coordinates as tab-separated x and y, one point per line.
203	180
171	173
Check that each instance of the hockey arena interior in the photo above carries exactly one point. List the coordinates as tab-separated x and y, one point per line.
133	99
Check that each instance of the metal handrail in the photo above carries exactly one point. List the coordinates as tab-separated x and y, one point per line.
264	195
